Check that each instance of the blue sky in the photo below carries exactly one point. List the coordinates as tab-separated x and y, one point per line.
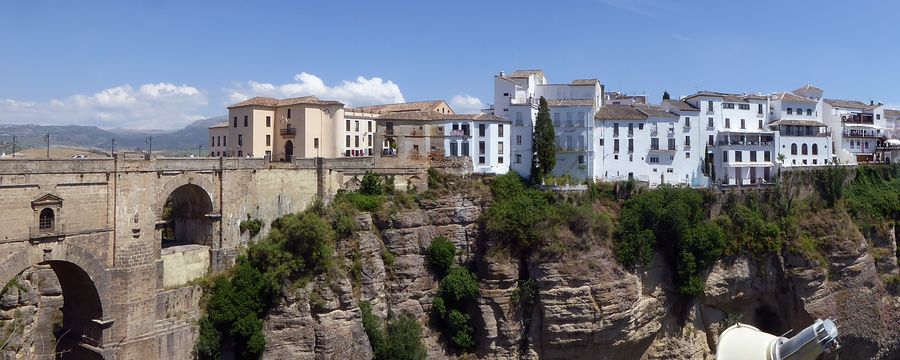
162	64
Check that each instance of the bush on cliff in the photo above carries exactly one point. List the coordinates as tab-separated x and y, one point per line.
402	339
456	291
441	255
519	215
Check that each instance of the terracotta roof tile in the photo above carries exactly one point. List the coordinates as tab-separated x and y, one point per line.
796	122
585	82
786	96
571	102
853	104
619	112
526	73
272	102
431	105
681	105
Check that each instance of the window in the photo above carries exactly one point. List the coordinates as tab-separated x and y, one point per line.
744	106
615	129
759	109
568	119
790	111
654	144
481	129
580	159
672	144
725	156
687	155
709	123
687	121
793	149
212	141
240	153
760	124
727	123
710	142
630	145
369	126
481	147
454	148
240	140
615	145
640	126
224	140
877	116
464	148
370	140
518	139
518	158
500	130
268	140
687	141
268	121
218	141
348	141
289	113
500	148
505	94
709	106
555	119
600	142
245	120
738	156
727	106
499	159
630	129
356	125
235	121
743	124
815	149
518	118
808	112
347	126
804	150
315	143
481	160
356	141
654	160
46	219
753	156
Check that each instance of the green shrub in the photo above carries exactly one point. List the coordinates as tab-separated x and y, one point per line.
831	183
875	193
209	341
402	340
461	328
371	184
521	218
251	225
459	285
441	255
359	201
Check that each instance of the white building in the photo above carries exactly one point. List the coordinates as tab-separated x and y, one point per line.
651	144
892	123
359	129
802	138
482	137
572	107
856	128
739	144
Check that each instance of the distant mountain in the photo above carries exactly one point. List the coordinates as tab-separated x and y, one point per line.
186	138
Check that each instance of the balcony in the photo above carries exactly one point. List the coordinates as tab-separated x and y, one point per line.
862	133
573	148
458	133
40	232
288	132
858	118
523	101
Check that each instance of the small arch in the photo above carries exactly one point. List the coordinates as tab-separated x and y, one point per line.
808	112
288	151
805	150
815	149
793	149
46	220
790	111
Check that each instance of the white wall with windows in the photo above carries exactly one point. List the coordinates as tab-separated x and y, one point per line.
485	142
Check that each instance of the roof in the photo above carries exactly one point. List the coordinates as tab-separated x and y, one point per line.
808	87
619	112
854	104
271	102
437	116
430	105
726	96
681	105
507	78
654	111
796	122
786	96
222	125
585	82
571	102
891	113
526	73
474	117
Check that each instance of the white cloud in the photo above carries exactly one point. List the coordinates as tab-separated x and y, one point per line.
679	37
466	104
150	106
361	91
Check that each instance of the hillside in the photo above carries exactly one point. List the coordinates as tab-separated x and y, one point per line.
29	136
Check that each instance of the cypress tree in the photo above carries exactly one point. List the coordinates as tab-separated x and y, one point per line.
544	148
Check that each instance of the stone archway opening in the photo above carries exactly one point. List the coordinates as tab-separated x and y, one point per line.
288	151
52	310
186	218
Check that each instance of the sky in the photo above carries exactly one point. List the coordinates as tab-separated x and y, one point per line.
163	64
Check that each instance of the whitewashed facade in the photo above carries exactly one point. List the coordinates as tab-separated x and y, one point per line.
484	138
802	137
856	127
572	107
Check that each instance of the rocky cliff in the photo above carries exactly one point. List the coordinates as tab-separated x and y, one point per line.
587	305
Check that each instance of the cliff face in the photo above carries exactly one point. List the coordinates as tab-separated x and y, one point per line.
587	305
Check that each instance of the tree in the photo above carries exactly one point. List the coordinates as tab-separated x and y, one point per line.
441	255
544	152
666	95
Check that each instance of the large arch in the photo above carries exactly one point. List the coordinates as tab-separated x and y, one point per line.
288	151
186	217
85	287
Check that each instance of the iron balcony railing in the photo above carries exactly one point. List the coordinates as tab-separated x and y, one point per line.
288	131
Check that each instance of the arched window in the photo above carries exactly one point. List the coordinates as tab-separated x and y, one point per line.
46	219
808	112
793	149
805	152
815	149
790	111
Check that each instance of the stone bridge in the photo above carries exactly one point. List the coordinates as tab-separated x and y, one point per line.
123	235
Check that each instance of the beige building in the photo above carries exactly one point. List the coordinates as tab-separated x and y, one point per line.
438	106
218	140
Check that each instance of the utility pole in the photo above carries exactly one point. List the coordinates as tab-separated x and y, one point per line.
199	149
112	147
150	145
14	146
47	139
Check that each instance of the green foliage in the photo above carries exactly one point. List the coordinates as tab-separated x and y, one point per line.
831	183
875	193
749	230
673	220
544	142
441	255
459	285
209	341
461	328
371	184
402	340
359	201
251	225
456	290
524	299
519	215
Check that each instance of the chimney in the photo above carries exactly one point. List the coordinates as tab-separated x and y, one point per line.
501	73
871	102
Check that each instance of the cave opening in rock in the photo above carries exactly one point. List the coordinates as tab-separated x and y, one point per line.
767	320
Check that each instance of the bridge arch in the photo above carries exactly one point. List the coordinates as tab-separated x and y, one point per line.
186	211
85	289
